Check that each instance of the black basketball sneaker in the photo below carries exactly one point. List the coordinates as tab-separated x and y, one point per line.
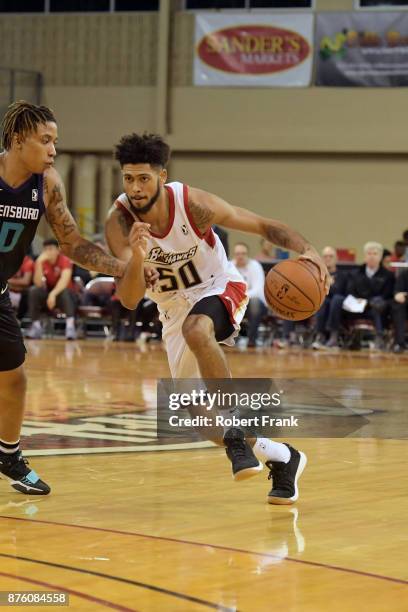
285	476
239	452
22	478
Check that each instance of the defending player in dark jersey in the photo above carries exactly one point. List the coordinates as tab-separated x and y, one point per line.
30	187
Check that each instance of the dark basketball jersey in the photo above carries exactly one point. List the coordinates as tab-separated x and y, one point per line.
20	214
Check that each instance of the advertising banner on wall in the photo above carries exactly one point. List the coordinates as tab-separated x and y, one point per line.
362	49
262	50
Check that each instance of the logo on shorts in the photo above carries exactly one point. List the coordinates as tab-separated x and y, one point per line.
34	195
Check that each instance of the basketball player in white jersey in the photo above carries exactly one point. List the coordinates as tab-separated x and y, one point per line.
200	295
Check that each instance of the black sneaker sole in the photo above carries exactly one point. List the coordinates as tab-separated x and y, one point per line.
248	472
286	501
24	489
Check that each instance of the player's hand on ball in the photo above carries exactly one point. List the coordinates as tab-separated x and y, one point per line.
312	255
151	277
138	237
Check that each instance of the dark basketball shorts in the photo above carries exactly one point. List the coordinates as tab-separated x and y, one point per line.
12	349
214	308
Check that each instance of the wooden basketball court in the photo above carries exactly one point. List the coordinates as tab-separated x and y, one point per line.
134	525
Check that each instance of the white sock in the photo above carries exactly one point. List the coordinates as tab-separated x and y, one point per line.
37	324
70	323
268	450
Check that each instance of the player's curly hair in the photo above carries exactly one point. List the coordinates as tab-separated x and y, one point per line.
23	118
142	149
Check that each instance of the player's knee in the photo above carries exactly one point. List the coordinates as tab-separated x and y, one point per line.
197	330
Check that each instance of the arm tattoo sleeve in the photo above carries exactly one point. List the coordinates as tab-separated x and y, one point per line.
93	258
278	236
58	215
202	215
81	251
285	237
124	224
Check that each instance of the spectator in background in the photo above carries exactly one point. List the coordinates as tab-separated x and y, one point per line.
398	256
254	276
267	252
399	251
328	317
19	284
123	320
52	287
223	236
374	284
289	337
386	259
400	310
128	325
405	241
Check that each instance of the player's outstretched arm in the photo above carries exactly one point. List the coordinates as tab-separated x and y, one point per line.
72	244
208	209
128	242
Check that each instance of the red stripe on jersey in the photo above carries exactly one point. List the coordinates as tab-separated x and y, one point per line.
209	234
171	213
210	237
234	298
188	212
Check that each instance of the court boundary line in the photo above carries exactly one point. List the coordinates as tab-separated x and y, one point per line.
104	602
136	583
217	547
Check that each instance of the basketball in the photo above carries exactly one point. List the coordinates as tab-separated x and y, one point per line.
293	289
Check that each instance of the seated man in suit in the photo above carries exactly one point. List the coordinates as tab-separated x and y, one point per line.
328	317
374	284
400	311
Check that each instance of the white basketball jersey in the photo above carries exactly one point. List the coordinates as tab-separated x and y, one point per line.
189	263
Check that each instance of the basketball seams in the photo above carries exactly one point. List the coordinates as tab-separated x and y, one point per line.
304	264
309	313
271	299
288	280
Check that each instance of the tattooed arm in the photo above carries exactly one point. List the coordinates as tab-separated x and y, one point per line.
208	209
72	244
